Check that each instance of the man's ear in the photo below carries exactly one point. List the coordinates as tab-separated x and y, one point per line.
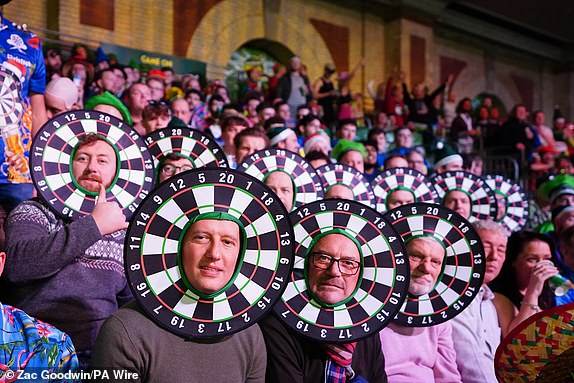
2	261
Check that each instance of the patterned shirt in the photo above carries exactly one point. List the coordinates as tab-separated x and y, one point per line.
33	347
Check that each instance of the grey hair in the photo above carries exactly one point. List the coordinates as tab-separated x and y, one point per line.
490	225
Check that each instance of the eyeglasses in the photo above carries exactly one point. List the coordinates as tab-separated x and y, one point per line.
170	170
346	266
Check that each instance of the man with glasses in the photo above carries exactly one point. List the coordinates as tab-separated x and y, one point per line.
173	164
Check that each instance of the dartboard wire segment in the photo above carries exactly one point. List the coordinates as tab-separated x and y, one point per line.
192	144
53	150
516	207
307	183
463	267
482	198
156	237
380	288
406	179
339	174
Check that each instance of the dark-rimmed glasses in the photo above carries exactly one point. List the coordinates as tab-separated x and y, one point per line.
324	262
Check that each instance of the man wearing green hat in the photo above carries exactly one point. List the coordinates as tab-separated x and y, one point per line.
447	159
108	103
281	137
350	153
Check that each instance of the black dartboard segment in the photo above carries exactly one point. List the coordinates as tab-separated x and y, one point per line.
199	148
381	288
152	252
402	179
516	213
463	267
51	159
339	174
307	183
482	198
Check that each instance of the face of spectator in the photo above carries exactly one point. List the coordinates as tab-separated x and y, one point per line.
521	113
154	124
194	100
80	70
251	107
564	221
476	167
399	198
180	109
371	155
495	252
416	161
501	206
209	254
229	134
157	88
450	167
419	91
54	105
172	167
94	164
108	82
223	93
396	162
563	200
382	120
354	159
281	185
404	139
53	60
532	253
487	102
284	112
331	281
426	257
312	128
483	113
247	146
168	76
467	106
266	114
120	79
540	118
565	166
458	201
139	97
340	191
348	132
381	142
295	64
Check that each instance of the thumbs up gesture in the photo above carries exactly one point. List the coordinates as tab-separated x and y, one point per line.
108	215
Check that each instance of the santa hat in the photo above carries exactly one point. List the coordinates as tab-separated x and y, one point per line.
446	155
278	134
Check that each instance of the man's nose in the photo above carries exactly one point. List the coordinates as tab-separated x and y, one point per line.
334	269
425	266
214	250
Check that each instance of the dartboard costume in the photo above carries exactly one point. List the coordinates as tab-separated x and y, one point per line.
64	271
422	317
172	314
306	322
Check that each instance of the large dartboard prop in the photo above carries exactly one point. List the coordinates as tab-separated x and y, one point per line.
482	198
402	179
51	158
11	105
200	149
381	289
152	253
335	174
516	215
463	267
307	182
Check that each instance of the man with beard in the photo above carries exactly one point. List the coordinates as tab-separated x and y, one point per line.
70	273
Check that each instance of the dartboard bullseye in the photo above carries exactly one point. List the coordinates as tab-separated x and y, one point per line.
482	198
512	202
405	179
346	176
380	282
307	183
52	154
463	265
171	288
192	144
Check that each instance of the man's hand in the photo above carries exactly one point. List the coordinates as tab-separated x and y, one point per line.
108	215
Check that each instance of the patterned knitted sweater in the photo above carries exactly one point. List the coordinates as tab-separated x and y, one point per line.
63	272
